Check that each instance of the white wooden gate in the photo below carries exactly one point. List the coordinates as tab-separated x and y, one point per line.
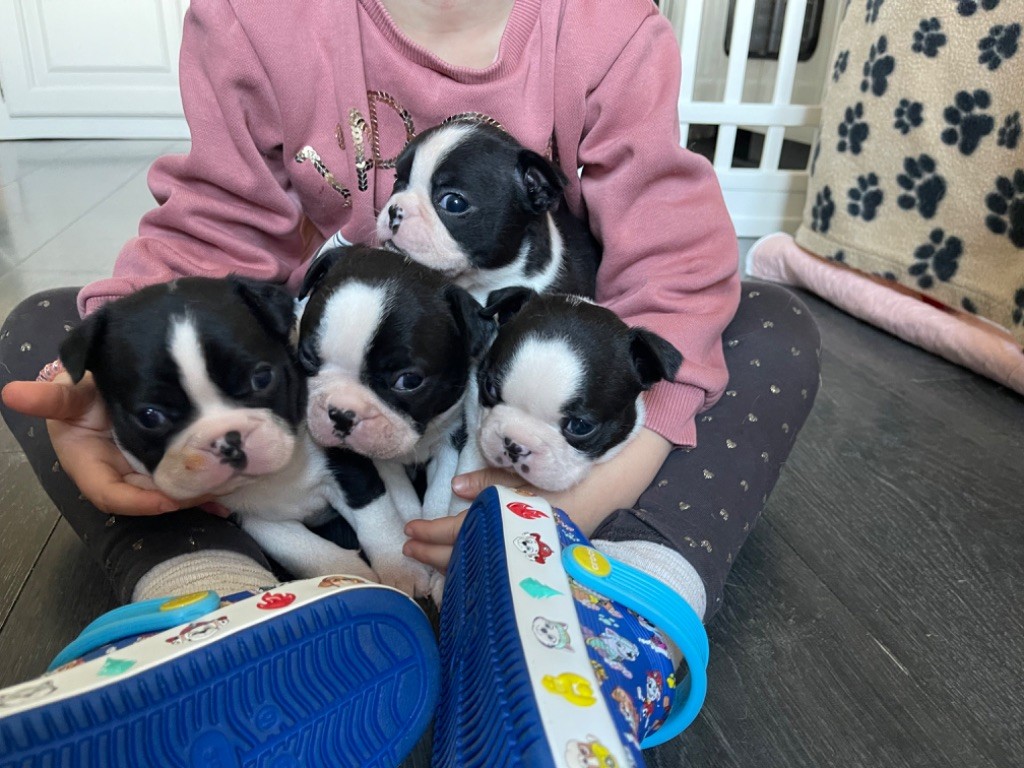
762	199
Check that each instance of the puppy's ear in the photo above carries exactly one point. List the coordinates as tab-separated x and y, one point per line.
653	358
78	348
505	303
318	268
309	357
540	183
271	304
474	326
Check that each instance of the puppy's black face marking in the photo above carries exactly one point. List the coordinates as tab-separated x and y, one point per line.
232	331
560	385
393	343
470	200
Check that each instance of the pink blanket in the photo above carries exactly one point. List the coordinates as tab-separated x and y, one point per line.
957	336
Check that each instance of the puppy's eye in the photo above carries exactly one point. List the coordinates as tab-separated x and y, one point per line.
262	378
490	391
408	381
151	418
453	203
576	427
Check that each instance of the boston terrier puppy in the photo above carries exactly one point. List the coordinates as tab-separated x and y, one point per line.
474	204
388	345
560	388
206	397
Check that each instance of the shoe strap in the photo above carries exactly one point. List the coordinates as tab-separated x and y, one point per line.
663	608
137	619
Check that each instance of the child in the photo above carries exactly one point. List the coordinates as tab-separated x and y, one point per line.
297	113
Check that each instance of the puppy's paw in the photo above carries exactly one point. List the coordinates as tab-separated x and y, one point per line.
344	562
404	573
437	588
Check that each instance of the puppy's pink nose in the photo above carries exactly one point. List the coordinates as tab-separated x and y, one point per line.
230	449
515	451
395	216
343	420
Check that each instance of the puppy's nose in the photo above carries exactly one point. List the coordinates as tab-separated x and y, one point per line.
230	449
343	420
515	451
395	216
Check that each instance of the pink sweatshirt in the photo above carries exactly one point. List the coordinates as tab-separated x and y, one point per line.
298	109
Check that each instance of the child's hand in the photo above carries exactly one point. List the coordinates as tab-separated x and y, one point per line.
431	541
79	429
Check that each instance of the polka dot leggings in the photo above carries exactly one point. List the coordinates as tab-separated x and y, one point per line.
705	500
702	504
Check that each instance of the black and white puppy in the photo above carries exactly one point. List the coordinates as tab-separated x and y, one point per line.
388	345
206	397
474	204
560	388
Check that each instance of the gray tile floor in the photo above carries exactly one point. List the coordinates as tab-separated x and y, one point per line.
874	618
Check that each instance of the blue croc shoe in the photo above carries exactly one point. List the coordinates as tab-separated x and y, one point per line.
553	654
323	672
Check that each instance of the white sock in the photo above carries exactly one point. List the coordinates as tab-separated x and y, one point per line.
664	564
219	570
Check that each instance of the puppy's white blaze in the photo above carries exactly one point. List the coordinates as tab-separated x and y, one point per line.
349	325
187	352
543	376
432	153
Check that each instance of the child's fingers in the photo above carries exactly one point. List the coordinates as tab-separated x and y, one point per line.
102	484
434	555
443	530
471	484
50	400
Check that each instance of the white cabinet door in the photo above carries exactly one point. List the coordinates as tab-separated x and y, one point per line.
90	68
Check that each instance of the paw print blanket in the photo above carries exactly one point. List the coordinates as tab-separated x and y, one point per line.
918	176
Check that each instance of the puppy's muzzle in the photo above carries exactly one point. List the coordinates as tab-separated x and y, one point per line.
229	447
515	451
395	216
343	420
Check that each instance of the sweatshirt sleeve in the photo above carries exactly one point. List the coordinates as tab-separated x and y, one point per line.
671	259
226	207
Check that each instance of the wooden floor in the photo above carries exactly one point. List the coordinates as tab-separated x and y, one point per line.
875	618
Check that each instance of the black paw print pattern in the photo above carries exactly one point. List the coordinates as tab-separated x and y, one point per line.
823	210
968	305
968	124
1006	208
1000	44
878	68
1009	133
839	68
874	6
923	188
970	7
839	256
853	131
929	37
938	258
1018	312
909	115
865	198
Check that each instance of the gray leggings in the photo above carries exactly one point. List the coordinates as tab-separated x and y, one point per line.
703	503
